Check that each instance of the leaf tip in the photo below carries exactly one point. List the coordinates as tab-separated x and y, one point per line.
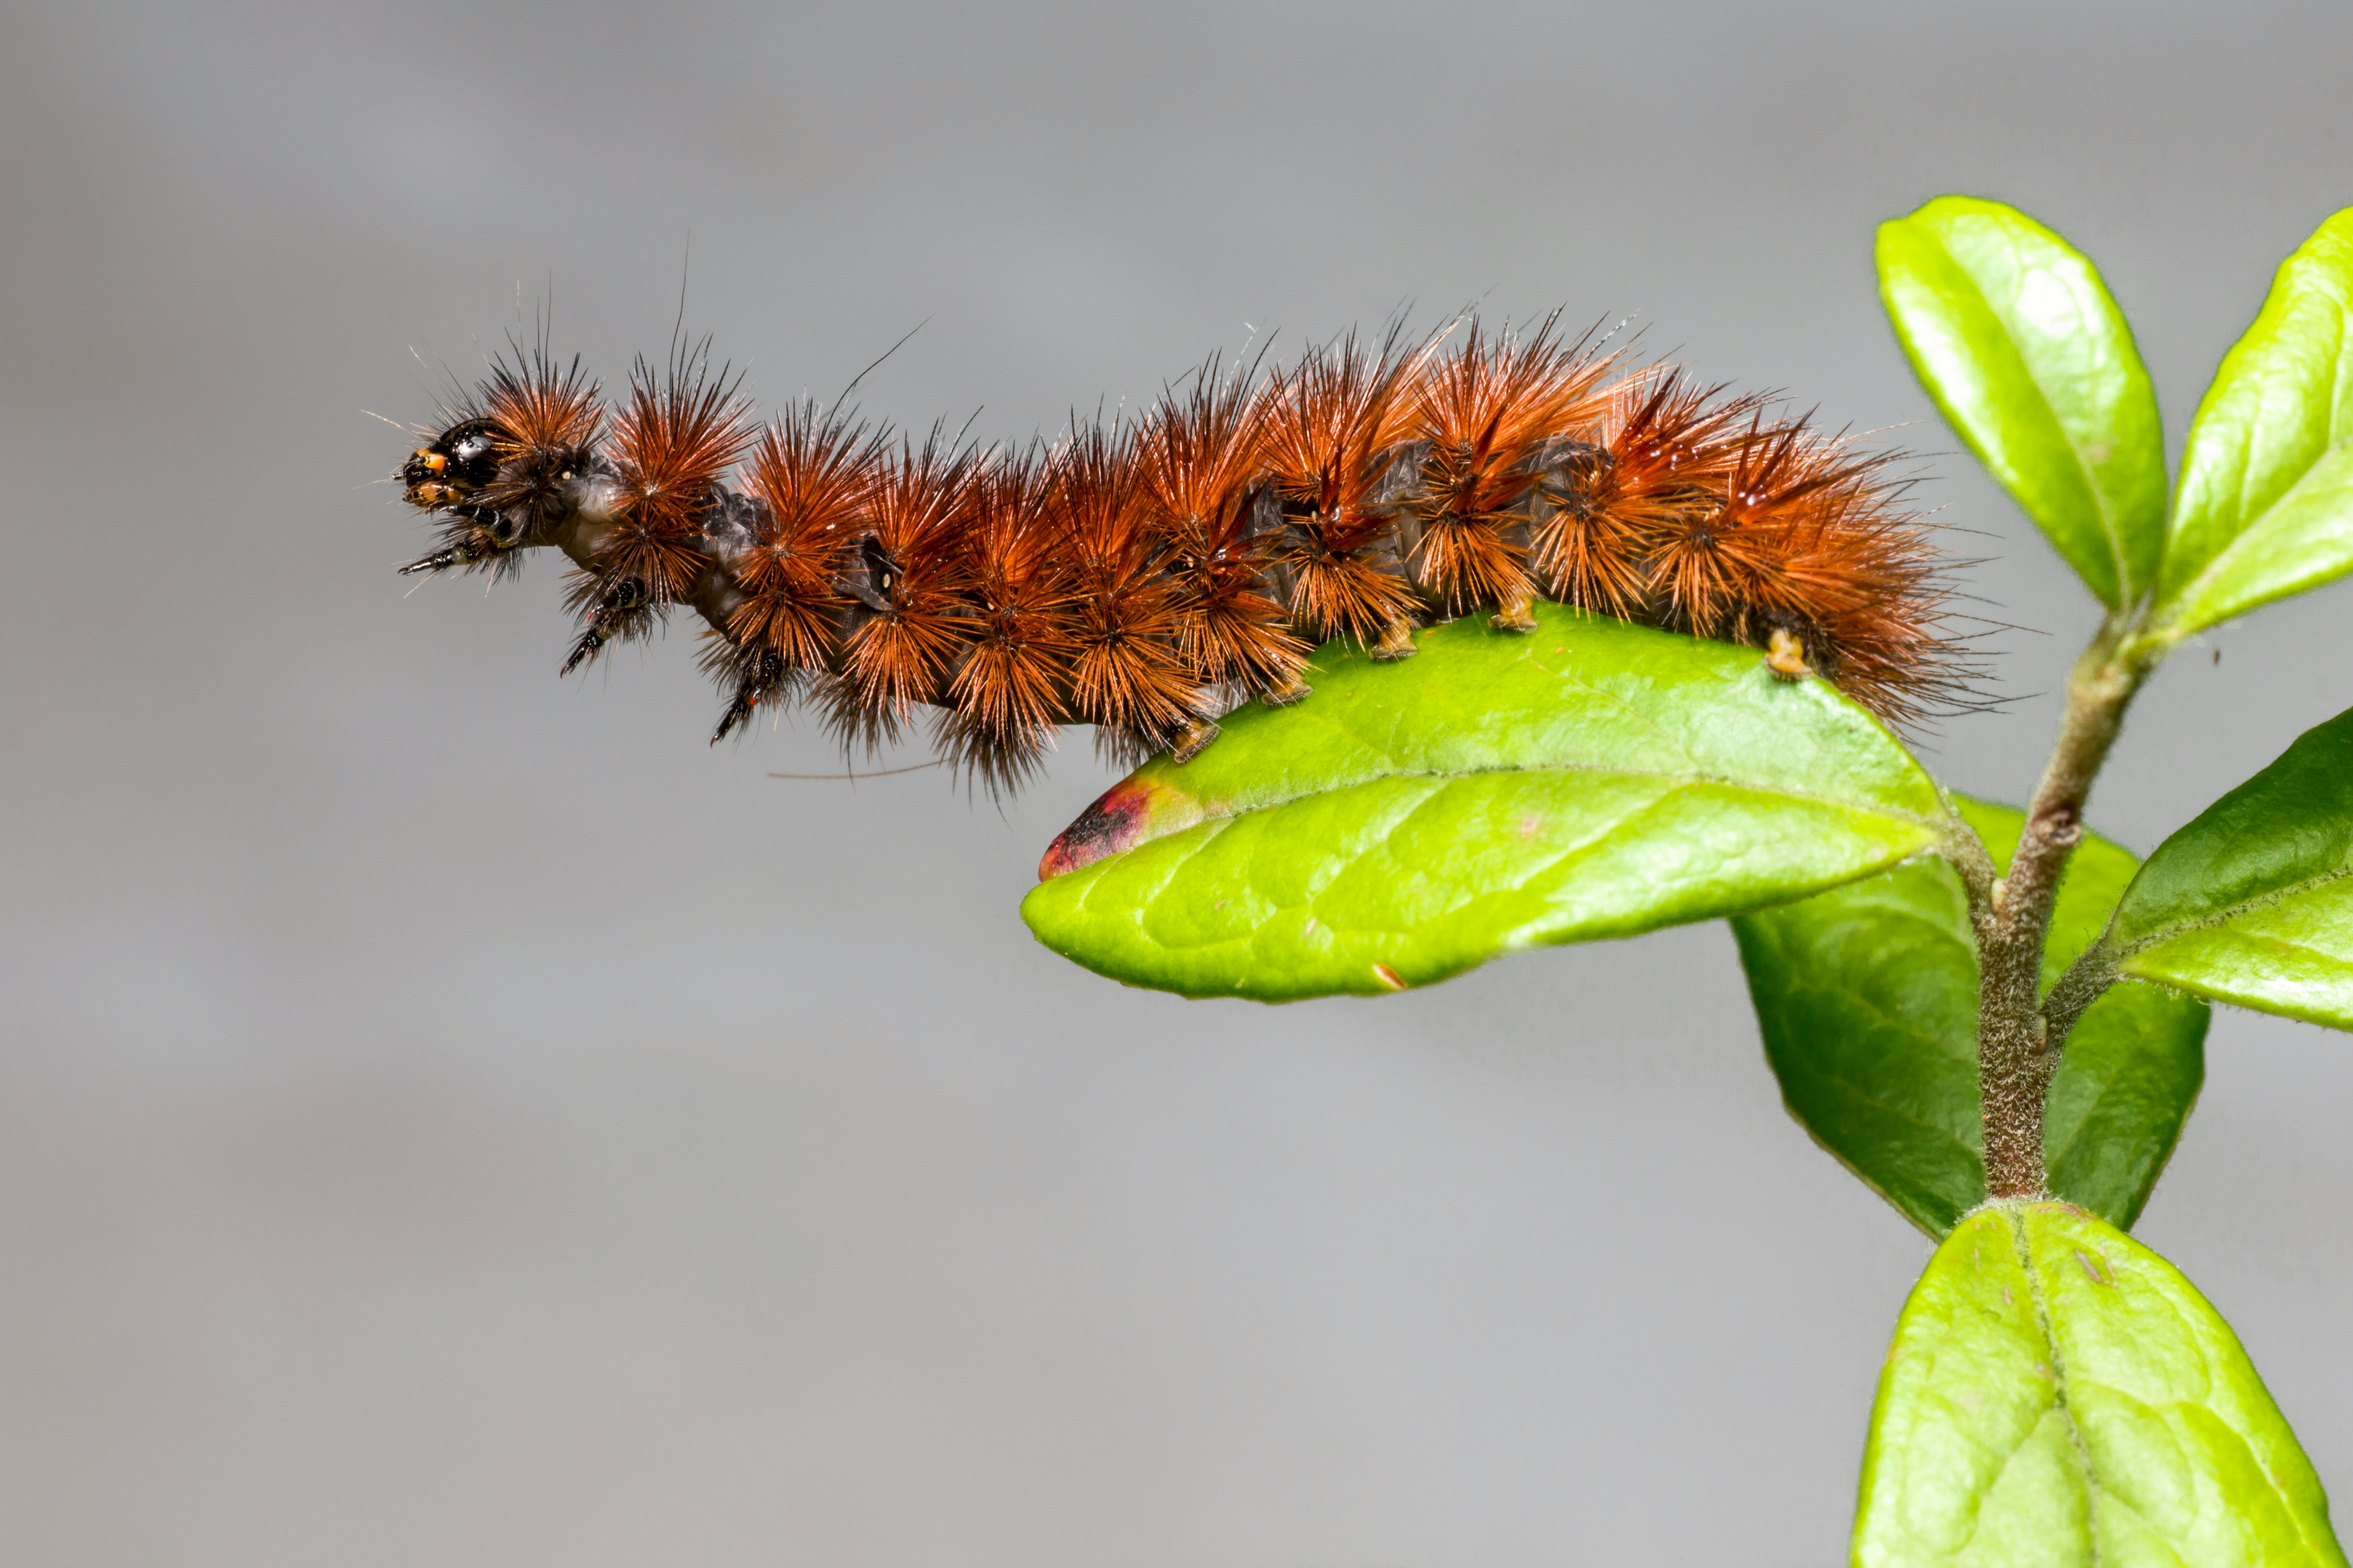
1114	823
1136	809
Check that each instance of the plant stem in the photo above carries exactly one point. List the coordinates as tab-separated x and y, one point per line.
2018	1046
2093	971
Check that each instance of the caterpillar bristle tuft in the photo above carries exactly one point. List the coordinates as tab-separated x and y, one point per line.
1145	576
1201	455
680	431
906	579
810	479
1486	418
1335	431
1127	676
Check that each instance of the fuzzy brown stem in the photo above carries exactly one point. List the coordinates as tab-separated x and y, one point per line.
1965	853
2018	1044
2074	992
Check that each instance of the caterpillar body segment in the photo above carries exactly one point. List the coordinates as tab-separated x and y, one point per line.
1144	577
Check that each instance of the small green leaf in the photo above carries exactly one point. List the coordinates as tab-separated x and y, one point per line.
2265	507
1867	998
2014	335
2251	903
2059	1396
1412	819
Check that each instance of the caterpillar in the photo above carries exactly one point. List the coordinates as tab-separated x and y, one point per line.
1145	576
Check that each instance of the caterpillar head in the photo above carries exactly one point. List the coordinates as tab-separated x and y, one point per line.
449	470
453	476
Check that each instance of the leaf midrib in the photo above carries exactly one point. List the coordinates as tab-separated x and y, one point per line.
1210	817
2110	533
2059	1401
2318	279
2188	593
2022	1251
1216	825
2125	952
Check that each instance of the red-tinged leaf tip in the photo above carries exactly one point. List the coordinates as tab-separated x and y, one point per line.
1127	813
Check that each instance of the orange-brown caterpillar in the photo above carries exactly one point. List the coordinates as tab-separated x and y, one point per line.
1144	577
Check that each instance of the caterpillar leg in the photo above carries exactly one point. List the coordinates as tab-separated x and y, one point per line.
1785	655
1516	614
586	646
1292	690
619	611
758	684
470	535
450	559
1192	740
1397	642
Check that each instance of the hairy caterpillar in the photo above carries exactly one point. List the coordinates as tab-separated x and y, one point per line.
1144	577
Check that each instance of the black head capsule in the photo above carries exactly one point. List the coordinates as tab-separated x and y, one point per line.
451	467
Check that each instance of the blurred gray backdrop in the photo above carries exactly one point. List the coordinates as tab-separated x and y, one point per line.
449	1115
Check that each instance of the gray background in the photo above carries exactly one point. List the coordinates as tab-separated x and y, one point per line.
451	1116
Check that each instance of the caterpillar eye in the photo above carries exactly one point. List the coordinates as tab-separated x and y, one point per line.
452	466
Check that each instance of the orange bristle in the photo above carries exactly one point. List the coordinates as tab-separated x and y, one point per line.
1006	697
1858	581
538	406
1782	505
912	616
1672	439
1588	552
1202	457
1333	421
1487	412
1128	677
812	474
1709	548
672	442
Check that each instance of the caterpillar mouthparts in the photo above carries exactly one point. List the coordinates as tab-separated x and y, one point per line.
1147	577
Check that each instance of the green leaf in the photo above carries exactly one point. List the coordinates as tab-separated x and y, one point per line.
2266	506
2251	903
2059	1396
1867	999
2014	335
1412	819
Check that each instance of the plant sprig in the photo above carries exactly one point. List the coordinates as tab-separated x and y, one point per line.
1938	992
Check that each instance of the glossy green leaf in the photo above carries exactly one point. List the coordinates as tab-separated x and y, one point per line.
2252	902
2266	506
1412	819
2059	1396
2014	335
1867	999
